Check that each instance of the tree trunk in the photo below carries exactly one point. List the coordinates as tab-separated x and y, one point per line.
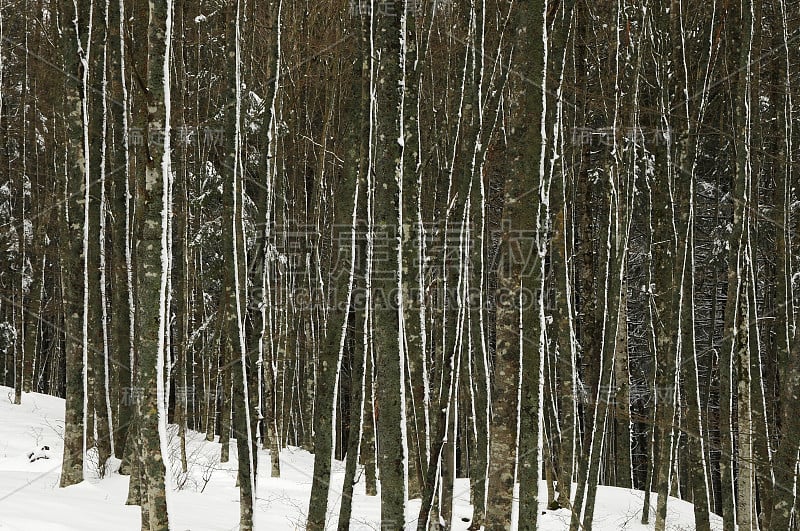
390	357
152	259
71	246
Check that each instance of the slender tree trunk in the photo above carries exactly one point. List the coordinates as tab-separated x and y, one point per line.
339	299
740	327
184	394
120	349
237	411
95	342
787	344
622	397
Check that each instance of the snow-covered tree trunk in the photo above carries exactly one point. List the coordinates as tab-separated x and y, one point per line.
528	151
389	351
740	264
670	207
120	348
261	313
153	259
180	235
613	258
787	344
234	296
412	266
562	329
75	15
338	295
18	209
519	329
358	318
94	313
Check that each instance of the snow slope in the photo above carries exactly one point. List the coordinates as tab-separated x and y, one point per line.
30	499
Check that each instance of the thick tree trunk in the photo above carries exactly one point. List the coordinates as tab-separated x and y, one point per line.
521	267
71	245
389	351
152	261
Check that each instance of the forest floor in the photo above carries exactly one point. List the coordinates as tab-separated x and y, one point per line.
207	499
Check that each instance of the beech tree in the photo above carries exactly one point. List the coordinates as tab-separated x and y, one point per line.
151	247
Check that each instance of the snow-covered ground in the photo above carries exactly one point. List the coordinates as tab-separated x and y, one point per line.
30	499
